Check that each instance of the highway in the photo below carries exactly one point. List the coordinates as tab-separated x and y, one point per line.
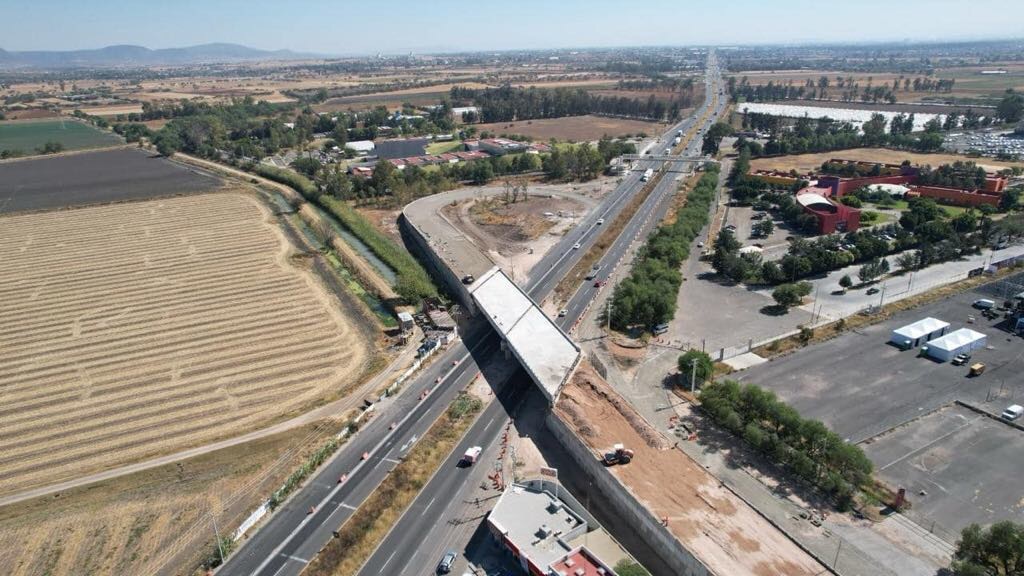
417	541
293	535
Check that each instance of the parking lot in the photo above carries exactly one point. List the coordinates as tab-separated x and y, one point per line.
956	465
860	386
741	220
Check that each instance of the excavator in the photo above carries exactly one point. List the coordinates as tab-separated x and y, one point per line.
619	455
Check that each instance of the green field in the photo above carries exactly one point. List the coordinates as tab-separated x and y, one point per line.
28	135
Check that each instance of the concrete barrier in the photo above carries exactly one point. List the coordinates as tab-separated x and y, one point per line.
636	516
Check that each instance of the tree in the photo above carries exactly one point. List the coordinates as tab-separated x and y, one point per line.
789	295
908	260
627	567
873	269
764	228
845	282
705	366
167	143
306	166
1011	107
713	137
1010	198
997	550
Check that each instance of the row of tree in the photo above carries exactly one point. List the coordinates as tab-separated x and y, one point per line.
809	449
508	103
648	296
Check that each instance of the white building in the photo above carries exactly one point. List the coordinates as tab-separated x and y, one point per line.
961	341
361	147
913	335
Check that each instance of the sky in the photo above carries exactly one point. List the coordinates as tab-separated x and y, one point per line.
342	27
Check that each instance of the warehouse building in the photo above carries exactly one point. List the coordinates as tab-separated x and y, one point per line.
962	341
913	335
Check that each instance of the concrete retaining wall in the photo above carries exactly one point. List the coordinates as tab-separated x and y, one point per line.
626	506
435	266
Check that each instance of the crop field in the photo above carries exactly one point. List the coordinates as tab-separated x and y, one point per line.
28	135
94	178
143	328
575	128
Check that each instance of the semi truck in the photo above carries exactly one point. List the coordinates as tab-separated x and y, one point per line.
647	174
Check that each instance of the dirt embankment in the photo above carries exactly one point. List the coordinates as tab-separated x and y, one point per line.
720	529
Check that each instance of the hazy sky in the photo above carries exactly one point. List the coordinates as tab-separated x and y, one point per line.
367	26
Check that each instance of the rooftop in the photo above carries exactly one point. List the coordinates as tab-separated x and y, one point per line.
922	327
956	339
537	523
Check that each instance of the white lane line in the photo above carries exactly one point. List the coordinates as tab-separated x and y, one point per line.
297	559
281	568
489	424
392	460
343	505
429	504
388	560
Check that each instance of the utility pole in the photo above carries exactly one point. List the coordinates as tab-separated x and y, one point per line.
693	375
881	299
216	534
608	313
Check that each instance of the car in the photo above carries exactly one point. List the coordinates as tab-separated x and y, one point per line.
562	313
1012	412
961	359
446	563
872	291
600	221
576	246
700	244
731	227
599	283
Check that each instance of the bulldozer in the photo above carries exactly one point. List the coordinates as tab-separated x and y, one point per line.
619	455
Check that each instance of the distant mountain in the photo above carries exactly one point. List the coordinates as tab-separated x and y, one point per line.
128	55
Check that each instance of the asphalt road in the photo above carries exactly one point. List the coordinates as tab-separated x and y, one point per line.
413	544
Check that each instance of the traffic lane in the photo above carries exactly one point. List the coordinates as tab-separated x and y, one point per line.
315	530
402	550
296	509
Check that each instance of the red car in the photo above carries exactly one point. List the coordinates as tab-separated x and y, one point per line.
599	283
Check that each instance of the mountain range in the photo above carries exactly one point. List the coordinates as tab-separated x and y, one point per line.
128	56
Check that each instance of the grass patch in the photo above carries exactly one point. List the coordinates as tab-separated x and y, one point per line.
366	528
379	309
26	136
444	147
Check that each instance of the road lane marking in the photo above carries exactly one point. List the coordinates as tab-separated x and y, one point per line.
296	558
392	460
429	504
343	505
388	560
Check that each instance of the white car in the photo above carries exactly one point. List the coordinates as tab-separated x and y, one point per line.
600	221
576	246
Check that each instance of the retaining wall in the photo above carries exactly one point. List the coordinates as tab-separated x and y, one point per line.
435	266
636	516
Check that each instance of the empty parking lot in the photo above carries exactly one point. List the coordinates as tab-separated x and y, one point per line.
958	466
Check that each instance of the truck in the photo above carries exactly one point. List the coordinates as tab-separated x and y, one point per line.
679	133
647	174
678	140
594	272
469	458
618	455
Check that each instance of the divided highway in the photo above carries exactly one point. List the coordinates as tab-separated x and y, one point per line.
293	535
422	534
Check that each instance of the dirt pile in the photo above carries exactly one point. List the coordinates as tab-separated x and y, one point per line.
721	530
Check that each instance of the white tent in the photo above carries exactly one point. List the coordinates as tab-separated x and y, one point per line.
960	341
913	335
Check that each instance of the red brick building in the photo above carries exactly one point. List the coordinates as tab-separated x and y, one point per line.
832	216
956	196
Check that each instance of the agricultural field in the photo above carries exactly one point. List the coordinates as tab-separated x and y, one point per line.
94	178
27	135
807	162
140	329
574	128
155	518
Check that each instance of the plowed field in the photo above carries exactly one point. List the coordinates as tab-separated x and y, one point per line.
137	329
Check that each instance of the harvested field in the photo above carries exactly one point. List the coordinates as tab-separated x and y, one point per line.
575	128
27	135
94	178
159	517
806	162
721	530
144	328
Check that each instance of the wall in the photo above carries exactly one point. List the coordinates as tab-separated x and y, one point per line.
636	516
842	186
955	196
436	267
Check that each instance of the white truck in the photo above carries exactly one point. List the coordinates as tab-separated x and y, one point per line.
647	175
678	140
469	458
679	133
